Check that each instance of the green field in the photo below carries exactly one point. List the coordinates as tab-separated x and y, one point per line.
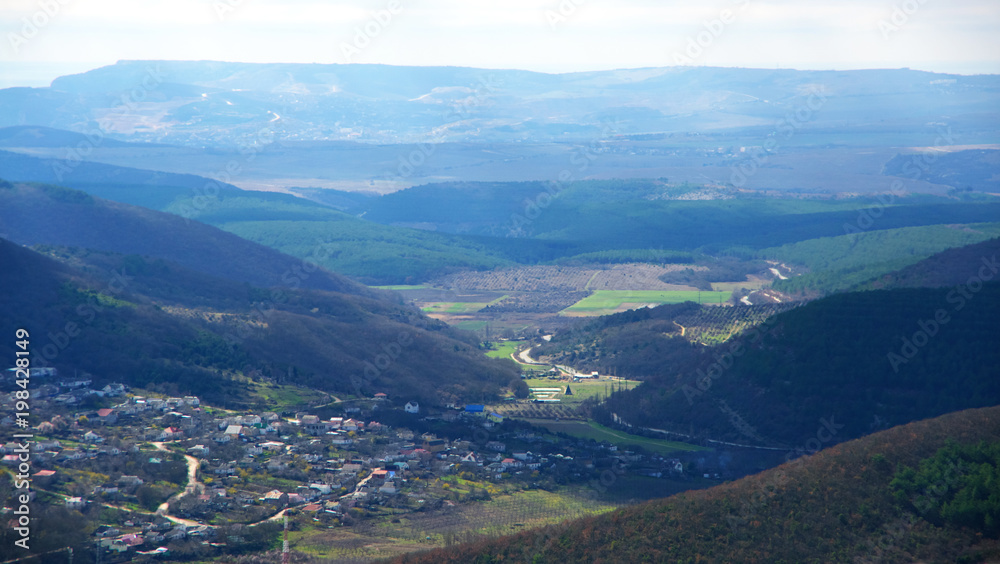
458	308
471	325
592	430
454	307
390	532
401	288
504	349
284	396
603	302
581	390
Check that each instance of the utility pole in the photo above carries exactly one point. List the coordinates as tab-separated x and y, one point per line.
284	544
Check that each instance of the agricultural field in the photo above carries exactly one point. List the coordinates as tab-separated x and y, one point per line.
592	430
536	302
515	302
504	349
752	283
714	325
568	278
582	390
531	411
455	308
606	302
282	396
451	306
383	536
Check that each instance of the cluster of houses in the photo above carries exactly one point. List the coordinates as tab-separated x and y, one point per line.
303	447
153	532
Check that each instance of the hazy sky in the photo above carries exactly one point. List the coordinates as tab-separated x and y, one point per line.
46	38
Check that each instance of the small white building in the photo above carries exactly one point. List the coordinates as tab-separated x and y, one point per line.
412	407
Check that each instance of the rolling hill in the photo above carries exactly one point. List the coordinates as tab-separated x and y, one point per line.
185	307
947	268
372	253
653	213
869	359
382	128
848	503
150	322
208	101
52	215
847	262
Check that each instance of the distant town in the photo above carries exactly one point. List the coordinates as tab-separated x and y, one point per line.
179	470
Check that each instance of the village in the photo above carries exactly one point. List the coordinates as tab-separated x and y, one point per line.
180	472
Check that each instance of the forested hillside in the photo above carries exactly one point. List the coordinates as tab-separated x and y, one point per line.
947	268
922	492
866	359
150	322
33	214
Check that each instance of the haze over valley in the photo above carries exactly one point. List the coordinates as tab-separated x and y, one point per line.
609	286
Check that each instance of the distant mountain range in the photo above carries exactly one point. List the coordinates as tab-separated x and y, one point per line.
381	128
206	102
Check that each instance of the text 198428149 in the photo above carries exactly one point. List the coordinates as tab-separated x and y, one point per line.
22	480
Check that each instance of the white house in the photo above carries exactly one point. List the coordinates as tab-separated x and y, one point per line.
412	407
75	502
321	488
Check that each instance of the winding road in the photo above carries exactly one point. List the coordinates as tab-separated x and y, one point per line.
190	489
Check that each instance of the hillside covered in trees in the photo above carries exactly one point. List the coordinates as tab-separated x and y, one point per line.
922	492
149	321
869	360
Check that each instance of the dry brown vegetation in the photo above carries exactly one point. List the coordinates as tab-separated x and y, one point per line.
568	278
